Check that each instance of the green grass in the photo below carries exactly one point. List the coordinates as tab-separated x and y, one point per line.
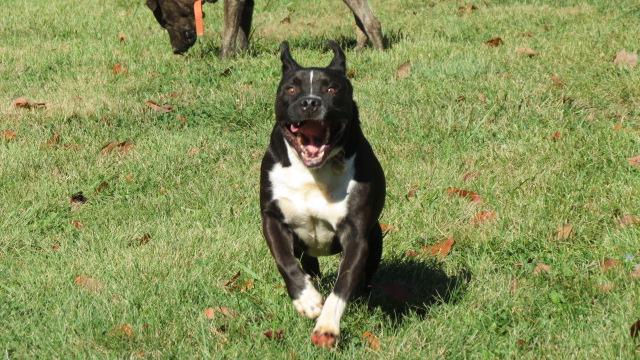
464	107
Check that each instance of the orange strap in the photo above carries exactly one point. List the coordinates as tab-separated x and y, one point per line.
197	10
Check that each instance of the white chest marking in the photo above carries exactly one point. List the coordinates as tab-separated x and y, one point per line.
313	202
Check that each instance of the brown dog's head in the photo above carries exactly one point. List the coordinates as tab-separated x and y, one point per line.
178	18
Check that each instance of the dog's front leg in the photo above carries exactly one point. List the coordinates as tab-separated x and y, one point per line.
306	299
351	274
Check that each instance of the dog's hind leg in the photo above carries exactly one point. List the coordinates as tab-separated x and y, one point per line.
309	263
375	254
232	14
245	25
366	22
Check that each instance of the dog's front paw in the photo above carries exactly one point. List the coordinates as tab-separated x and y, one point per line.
324	337
309	303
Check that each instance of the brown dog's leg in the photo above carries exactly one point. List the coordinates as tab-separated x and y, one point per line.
232	14
367	22
361	35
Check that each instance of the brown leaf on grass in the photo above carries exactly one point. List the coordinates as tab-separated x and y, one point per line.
411	253
441	249
609	263
404	70
8	134
624	58
119	69
556	136
55	246
193	151
372	341
246	286
124	330
628	220
521	343
351	73
78	198
526	51
209	313
494	42
226	72
231	282
617	126
467	9
286	20
396	291
88	283
470	176
387	228
77	224
412	192
182	119
605	287
122	147
54	140
122	37
541	268
634	161
557	80
482	98
159	108
102	187
635	273
514	285
142	240
483	216
274	334
564	232
24	103
473	196
128	178
634	330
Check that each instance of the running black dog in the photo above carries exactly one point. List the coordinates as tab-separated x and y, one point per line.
321	190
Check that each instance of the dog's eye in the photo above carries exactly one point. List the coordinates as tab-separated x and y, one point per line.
331	90
292	90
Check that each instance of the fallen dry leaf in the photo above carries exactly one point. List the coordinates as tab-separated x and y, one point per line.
514	285
88	283
182	119
209	313
605	287
387	228
556	136
123	147
441	249
125	330
609	263
122	37
246	286
351	73
411	253
624	58
231	282
482	98
8	134
77	224
483	216
403	70
142	240
541	268
226	72
24	103
397	292
470	176
102	187
78	198
159	108
634	331
412	192
473	196
274	334
526	51
494	42
193	151
634	161
286	20
55	246
628	220
54	140
564	232
557	80
372	341
635	273
466	9
521	343
128	178
119	69
617	126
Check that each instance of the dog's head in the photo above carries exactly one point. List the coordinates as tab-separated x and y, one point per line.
314	106
178	18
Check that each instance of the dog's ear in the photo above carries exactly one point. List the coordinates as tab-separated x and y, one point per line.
288	64
152	4
339	62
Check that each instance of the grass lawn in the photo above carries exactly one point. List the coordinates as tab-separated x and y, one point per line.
144	264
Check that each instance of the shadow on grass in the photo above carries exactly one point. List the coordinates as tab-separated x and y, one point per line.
405	285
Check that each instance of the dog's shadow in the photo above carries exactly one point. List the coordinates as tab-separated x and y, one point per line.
404	286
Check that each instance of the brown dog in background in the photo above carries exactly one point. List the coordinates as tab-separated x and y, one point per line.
177	17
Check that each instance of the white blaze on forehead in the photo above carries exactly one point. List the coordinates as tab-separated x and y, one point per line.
311	82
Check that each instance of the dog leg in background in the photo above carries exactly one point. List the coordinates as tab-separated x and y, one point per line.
245	26
366	22
306	299
232	16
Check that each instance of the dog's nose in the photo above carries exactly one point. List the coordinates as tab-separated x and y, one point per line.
310	104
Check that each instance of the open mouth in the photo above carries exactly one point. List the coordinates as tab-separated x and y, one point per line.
310	138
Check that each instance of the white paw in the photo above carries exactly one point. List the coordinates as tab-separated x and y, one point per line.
329	321
309	303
